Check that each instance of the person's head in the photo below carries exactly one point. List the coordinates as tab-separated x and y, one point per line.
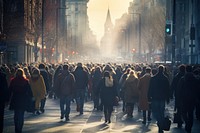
188	68
182	68
41	66
19	73
133	73
106	74
148	70
36	72
65	67
161	68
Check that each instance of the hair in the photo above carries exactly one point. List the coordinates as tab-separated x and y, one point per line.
65	67
20	73
188	68
133	73
148	70
161	68
106	74
182	68
36	71
41	66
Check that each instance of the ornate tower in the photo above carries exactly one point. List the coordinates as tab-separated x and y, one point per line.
106	41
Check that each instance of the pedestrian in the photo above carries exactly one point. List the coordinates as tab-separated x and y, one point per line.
143	87
38	88
96	77
4	97
81	83
188	96
131	92
20	92
158	94
45	76
174	92
121	84
108	94
65	91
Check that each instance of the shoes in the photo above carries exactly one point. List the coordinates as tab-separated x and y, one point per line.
81	113
42	110
179	125
143	122
149	119
61	117
67	119
37	112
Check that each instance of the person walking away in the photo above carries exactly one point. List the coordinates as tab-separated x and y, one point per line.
20	90
121	84
96	77
81	82
188	96
4	97
131	93
108	94
143	87
65	91
45	76
174	91
38	88
158	94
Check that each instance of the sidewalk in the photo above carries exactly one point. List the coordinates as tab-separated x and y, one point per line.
90	122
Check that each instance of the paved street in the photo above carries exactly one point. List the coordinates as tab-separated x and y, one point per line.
90	122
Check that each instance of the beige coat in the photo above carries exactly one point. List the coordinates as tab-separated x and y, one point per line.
143	87
130	90
39	90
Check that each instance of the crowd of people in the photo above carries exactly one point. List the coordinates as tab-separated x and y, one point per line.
145	87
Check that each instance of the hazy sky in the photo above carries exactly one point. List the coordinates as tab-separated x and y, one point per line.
97	11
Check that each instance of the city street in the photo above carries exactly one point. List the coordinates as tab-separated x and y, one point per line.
91	121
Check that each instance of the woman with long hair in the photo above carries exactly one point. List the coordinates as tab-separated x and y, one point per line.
20	93
131	93
38	88
108	94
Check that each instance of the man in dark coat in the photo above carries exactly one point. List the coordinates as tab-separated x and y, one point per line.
188	96
81	82
174	90
4	97
158	93
65	89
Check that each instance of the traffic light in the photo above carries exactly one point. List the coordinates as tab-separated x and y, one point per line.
168	28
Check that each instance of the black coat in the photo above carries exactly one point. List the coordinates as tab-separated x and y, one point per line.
21	93
107	94
4	94
159	88
187	90
81	78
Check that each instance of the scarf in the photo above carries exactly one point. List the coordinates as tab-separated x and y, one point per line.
108	82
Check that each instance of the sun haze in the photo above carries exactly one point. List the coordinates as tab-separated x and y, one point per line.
97	11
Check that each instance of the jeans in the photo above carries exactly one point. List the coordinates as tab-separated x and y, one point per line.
158	109
65	102
80	97
18	120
